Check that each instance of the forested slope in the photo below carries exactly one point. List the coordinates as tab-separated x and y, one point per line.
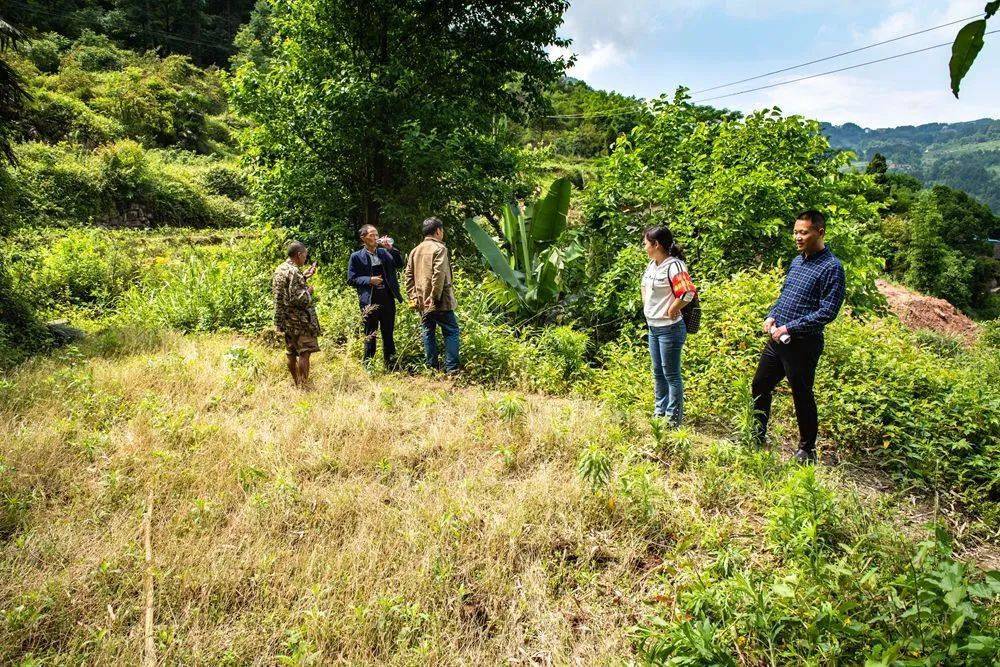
964	156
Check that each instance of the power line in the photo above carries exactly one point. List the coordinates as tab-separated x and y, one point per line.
620	111
161	33
836	55
833	71
631	110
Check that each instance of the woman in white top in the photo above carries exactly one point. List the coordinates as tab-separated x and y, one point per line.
666	288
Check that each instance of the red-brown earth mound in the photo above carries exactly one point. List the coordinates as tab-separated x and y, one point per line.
918	311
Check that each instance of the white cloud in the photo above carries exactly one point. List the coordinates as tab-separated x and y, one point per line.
611	22
600	56
644	47
914	16
868	102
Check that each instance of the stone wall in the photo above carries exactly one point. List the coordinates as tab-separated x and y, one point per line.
134	217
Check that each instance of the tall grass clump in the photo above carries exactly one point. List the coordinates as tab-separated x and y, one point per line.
84	267
208	289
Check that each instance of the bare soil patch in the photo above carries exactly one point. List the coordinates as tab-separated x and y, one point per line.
919	311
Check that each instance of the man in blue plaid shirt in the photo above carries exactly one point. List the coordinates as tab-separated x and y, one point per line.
810	299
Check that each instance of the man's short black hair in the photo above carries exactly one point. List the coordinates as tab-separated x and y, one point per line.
431	225
814	217
295	247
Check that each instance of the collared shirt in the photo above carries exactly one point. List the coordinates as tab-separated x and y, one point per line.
812	294
373	257
429	278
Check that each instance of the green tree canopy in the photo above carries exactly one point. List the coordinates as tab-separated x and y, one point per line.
729	188
584	121
877	168
384	112
202	29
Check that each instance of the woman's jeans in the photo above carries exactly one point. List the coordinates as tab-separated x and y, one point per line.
665	345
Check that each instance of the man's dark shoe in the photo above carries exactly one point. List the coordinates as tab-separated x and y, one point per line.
805	457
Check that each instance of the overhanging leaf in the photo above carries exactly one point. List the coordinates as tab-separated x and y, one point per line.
967	46
493	255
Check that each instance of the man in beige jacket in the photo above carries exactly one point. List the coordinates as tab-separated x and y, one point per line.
429	289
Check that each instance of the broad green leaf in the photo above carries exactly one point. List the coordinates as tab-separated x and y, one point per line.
549	266
526	250
967	46
981	644
493	255
508	222
549	214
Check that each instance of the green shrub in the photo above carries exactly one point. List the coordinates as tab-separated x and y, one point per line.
880	603
488	352
616	295
46	51
85	268
162	102
124	170
208	290
96	53
554	361
170	194
225	179
54	117
62	184
622	377
21	333
806	519
941	344
56	183
990	335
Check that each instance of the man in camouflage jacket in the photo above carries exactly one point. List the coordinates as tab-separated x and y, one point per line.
294	312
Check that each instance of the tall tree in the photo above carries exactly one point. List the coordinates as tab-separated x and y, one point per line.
13	95
877	168
388	110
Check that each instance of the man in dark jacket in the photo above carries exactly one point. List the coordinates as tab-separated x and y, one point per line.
372	271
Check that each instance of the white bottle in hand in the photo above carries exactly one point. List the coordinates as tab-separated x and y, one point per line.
784	338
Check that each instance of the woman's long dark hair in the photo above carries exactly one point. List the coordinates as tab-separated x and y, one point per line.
663	237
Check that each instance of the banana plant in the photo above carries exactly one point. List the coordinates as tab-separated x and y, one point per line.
533	262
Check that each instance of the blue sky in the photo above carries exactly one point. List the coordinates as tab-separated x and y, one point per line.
644	48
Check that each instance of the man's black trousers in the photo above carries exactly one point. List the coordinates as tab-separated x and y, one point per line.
796	361
381	316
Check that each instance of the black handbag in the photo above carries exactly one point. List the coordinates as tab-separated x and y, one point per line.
692	315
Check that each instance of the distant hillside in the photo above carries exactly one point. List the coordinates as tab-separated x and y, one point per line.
965	156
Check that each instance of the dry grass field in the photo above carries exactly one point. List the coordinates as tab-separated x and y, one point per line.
375	519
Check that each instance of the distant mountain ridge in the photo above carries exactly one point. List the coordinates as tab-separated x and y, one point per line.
965	156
